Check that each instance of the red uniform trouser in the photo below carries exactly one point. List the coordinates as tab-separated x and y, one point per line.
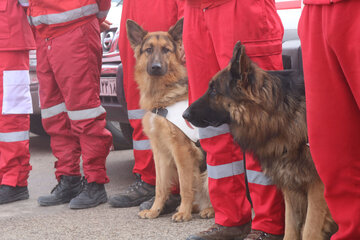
330	37
68	69
15	106
157	15
209	38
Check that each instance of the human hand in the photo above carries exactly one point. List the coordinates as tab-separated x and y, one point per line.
105	25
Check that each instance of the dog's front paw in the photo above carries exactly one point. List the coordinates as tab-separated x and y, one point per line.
148	214
181	217
207	213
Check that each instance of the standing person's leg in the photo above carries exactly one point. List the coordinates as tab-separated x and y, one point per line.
331	56
75	58
224	157
268	202
269	218
263	42
15	106
65	146
163	15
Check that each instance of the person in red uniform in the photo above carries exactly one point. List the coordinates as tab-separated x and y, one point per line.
330	34
16	39
69	57
211	29
157	15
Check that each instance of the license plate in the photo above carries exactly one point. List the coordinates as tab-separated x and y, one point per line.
107	86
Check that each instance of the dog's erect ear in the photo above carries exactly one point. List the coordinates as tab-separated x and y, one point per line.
240	63
135	33
176	30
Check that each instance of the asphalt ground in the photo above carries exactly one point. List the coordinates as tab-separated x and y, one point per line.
26	220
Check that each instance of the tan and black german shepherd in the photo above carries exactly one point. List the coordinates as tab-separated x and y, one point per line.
266	114
162	80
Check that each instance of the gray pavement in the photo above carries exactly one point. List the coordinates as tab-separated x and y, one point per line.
25	220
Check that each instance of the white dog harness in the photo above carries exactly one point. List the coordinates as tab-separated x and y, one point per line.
173	113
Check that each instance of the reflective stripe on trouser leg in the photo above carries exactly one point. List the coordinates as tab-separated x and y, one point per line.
268	202
14	120
95	141
226	177
64	144
14	149
144	161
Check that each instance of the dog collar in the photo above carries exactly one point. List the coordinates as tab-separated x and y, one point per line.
160	111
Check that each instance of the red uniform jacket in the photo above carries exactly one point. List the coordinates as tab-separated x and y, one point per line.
15	32
53	18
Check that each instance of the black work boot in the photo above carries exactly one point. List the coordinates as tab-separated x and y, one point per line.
67	188
134	195
92	195
170	205
11	194
219	232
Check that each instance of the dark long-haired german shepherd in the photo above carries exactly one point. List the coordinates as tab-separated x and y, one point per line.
162	80
267	116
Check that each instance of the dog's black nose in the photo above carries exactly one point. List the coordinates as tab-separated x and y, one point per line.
186	114
156	67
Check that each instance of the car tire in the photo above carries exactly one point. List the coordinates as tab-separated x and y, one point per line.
120	141
36	126
127	132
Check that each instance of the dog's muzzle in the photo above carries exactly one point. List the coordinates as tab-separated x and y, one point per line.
156	69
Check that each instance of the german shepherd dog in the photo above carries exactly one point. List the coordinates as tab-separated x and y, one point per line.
266	114
162	80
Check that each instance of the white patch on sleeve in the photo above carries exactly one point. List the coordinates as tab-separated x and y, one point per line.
16	89
174	115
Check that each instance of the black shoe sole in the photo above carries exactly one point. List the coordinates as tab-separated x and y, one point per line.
48	204
16	197
102	199
117	204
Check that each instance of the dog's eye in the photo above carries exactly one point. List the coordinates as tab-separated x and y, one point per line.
212	92
165	50
148	50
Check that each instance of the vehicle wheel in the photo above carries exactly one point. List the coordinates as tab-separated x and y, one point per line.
127	132
119	141
36	125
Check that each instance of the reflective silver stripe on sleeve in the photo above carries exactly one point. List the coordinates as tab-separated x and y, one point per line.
14	136
24	3
102	14
142	145
53	111
86	113
136	114
226	170
209	132
63	17
257	178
